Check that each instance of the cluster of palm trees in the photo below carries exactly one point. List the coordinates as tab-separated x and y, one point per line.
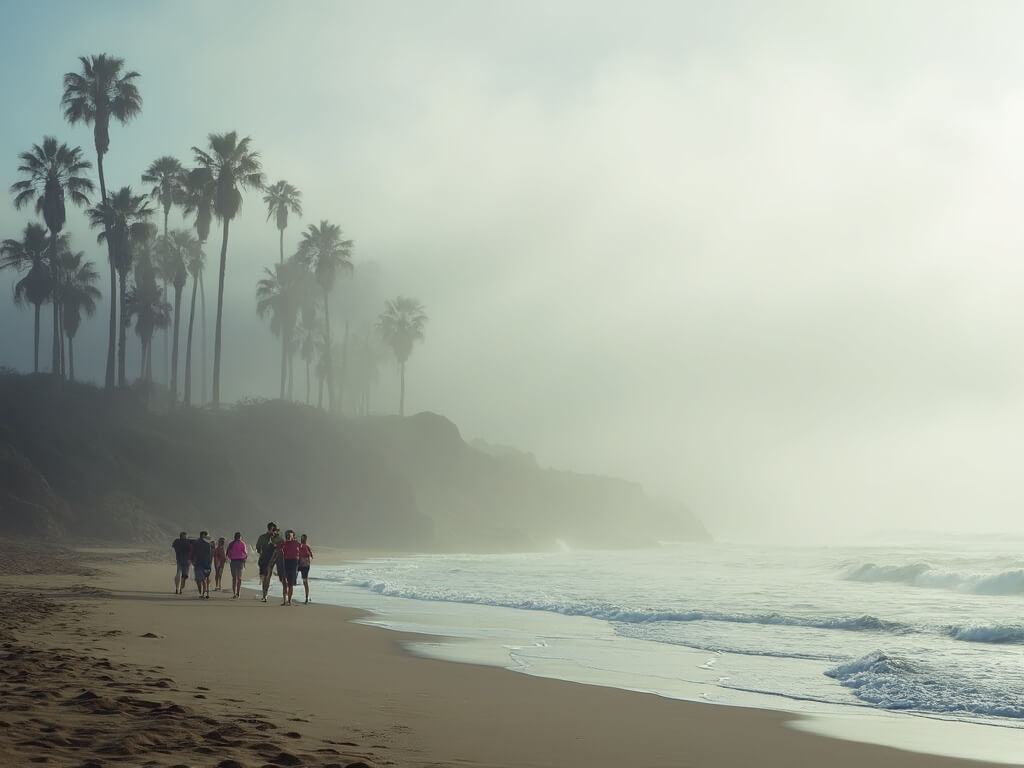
145	263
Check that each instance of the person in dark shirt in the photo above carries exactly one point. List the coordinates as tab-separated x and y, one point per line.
183	557
202	561
266	548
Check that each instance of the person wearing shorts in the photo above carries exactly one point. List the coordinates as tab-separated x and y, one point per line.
219	558
182	560
202	560
237	553
288	552
266	548
305	556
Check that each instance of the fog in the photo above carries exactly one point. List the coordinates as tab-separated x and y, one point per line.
764	258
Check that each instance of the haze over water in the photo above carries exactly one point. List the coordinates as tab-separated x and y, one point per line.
761	257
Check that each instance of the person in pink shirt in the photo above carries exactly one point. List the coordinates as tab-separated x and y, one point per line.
288	550
305	555
237	552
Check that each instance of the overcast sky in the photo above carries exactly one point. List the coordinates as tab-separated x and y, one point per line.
767	258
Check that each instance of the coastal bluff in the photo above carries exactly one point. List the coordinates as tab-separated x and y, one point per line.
78	463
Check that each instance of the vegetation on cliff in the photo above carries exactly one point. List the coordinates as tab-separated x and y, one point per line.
80	462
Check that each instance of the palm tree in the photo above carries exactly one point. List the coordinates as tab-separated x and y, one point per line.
29	255
277	296
93	96
308	338
401	326
167	176
197	199
281	198
179	246
123	217
233	166
195	263
362	370
146	304
51	173
325	252
78	293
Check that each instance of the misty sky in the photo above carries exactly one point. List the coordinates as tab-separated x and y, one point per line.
767	258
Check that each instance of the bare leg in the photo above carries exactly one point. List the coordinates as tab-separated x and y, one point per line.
305	585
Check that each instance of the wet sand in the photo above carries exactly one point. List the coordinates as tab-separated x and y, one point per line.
105	665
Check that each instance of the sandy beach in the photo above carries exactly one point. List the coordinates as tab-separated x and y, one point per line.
105	665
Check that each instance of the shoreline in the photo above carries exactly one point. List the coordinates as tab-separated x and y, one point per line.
925	733
310	686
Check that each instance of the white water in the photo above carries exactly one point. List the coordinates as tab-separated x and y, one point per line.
935	632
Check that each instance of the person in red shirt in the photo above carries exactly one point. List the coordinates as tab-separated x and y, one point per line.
288	550
305	555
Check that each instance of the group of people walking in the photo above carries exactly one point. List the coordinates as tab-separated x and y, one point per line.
288	556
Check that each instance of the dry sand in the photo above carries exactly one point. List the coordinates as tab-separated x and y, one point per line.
105	665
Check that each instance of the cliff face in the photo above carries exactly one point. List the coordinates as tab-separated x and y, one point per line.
79	462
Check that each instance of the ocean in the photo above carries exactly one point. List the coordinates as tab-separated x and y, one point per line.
919	637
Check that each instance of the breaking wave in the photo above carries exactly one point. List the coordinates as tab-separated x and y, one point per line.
891	682
1009	582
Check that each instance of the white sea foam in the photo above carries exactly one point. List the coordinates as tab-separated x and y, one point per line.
897	683
776	620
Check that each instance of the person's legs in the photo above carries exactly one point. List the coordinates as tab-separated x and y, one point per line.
265	571
236	577
181	578
305	580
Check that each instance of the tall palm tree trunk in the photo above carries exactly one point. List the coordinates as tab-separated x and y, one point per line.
168	373
112	336
220	313
291	372
327	351
35	347
202	318
55	367
167	353
122	331
174	352
71	358
63	357
344	368
401	396
281	230
142	360
284	360
187	399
